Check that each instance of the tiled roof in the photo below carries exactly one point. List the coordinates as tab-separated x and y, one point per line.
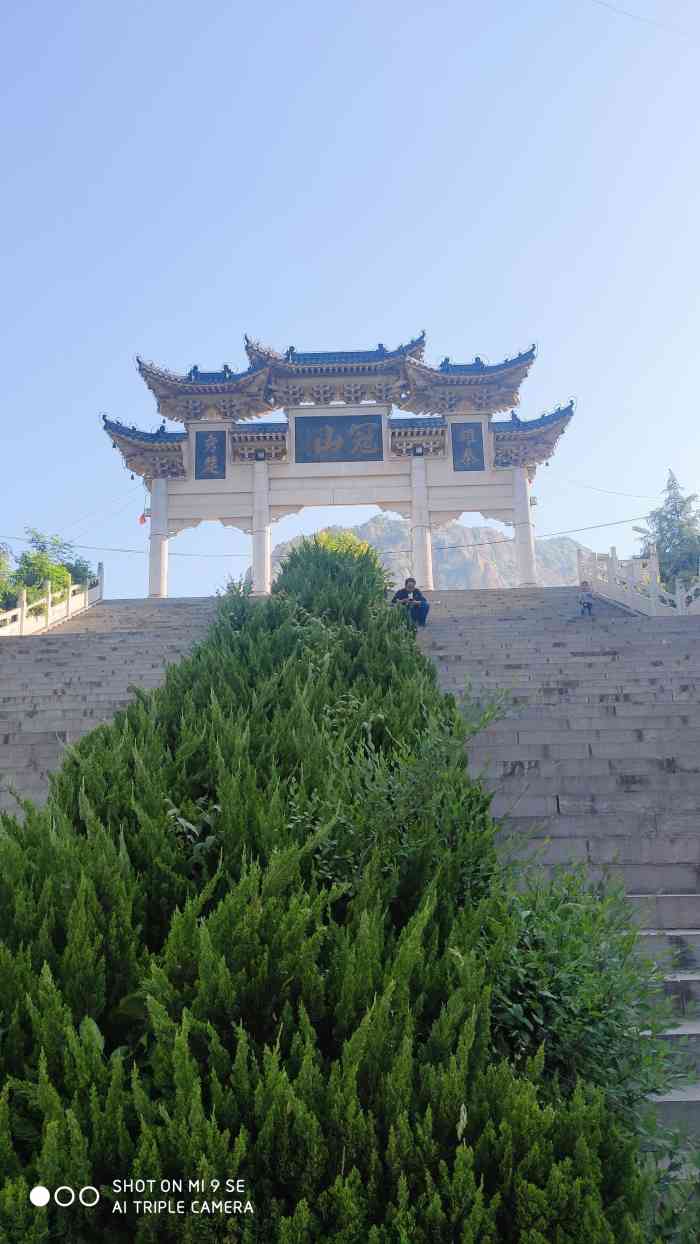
247	429
225	376
307	359
426	421
161	437
479	367
534	425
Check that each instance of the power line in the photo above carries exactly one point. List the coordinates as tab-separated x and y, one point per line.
611	492
639	17
621	522
551	535
86	518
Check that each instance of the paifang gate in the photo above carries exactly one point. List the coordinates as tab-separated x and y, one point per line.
361	427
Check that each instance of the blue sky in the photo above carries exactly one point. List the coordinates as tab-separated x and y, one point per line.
333	176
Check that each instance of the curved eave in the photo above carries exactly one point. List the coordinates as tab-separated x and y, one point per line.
464	388
260	355
330	360
135	436
415	348
525	443
473	373
148	454
478	368
166	384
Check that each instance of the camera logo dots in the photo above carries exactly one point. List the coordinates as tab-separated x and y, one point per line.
64	1196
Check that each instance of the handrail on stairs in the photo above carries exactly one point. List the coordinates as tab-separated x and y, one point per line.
37	616
635	583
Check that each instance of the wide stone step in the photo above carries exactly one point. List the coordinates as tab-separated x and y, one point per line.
627	782
516	803
650	849
464	653
596	717
559	683
666	911
502	774
56	687
684	1045
680	1109
608	733
683	987
677	950
665	822
642	879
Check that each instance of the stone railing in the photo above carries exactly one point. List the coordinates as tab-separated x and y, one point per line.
30	618
634	583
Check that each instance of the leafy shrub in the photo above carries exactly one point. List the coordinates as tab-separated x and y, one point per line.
259	929
571	977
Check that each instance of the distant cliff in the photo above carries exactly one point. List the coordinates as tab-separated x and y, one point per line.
463	557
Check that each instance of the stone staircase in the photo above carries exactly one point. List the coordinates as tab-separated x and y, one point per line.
596	759
56	686
598	756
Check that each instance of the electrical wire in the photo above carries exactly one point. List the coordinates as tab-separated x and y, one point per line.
611	492
100	513
622	522
639	17
107	514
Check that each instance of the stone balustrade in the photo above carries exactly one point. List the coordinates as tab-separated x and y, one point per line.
635	583
32	617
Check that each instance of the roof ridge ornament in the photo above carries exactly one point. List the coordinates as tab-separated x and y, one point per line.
398	376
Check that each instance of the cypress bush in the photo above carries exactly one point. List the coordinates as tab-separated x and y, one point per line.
261	930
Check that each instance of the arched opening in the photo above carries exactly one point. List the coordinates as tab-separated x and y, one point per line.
204	557
311	519
473	552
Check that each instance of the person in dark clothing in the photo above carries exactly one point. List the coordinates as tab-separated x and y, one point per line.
414	601
585	600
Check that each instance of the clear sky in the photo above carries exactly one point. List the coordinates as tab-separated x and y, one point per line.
331	176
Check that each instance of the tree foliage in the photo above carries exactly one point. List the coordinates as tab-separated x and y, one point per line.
47	558
674	528
262	929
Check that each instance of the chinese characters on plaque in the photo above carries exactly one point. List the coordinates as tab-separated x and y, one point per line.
339	438
210	455
467	447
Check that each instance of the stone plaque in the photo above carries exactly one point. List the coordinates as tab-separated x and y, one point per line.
467	447
210	455
338	438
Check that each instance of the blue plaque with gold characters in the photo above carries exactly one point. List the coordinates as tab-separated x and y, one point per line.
338	438
210	455
467	447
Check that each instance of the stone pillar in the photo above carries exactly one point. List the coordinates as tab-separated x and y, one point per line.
421	544
23	611
524	529
158	557
262	544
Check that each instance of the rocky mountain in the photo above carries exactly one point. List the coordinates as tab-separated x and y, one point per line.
463	557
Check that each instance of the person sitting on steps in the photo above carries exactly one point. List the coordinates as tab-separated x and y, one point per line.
585	600
414	601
